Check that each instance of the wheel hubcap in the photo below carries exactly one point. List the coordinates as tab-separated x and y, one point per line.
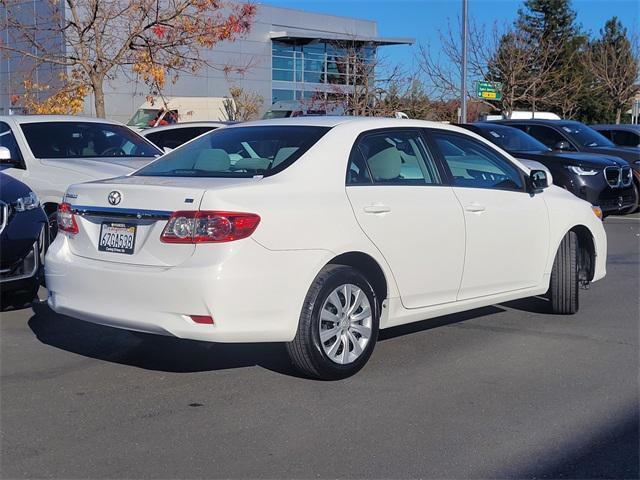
345	324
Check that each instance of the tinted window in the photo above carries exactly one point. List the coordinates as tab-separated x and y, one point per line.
585	136
85	140
625	138
473	164
175	137
237	152
546	135
392	157
512	139
9	141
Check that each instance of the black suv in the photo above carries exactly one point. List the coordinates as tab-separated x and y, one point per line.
23	240
572	136
602	180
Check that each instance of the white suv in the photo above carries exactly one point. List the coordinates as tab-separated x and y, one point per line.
51	152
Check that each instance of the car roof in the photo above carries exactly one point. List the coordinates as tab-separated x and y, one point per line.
621	126
332	121
177	126
538	121
55	118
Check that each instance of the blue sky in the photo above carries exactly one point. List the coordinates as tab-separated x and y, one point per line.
420	19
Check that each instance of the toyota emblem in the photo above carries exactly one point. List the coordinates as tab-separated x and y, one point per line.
114	197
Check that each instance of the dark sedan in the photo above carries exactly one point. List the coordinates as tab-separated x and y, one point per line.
623	135
572	136
23	240
602	180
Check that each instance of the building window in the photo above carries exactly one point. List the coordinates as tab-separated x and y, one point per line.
319	63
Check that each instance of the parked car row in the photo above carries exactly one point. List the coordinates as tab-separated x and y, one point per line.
317	231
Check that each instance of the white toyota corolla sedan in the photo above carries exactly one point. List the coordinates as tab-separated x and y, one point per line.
319	232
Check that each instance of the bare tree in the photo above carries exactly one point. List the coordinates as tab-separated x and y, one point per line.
499	54
357	83
242	105
614	61
99	39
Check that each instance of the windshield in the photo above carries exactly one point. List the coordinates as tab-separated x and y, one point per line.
237	152
142	117
85	140
512	139
586	136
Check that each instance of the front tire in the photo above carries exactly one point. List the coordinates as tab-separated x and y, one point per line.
338	325
563	288
636	192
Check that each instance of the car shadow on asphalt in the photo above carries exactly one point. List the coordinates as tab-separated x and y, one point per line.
170	354
152	352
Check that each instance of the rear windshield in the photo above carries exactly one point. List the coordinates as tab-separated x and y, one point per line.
85	140
237	152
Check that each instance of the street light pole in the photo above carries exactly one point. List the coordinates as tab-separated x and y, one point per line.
463	82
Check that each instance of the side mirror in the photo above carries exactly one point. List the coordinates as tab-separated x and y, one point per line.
5	155
5	158
538	180
562	145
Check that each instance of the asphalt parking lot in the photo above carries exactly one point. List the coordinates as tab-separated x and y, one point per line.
504	391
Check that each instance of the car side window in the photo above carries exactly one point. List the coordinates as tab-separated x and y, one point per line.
625	138
546	135
473	164
392	157
175	137
8	140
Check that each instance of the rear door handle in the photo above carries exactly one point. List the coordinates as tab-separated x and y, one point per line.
377	208
475	207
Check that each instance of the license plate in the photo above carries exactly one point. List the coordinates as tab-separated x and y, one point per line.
117	238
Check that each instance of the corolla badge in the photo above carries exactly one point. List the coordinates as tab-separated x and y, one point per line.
114	197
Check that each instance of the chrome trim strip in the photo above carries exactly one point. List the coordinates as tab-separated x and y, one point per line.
5	215
626	171
612	185
90	211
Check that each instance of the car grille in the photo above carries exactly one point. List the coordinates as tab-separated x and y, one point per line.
618	176
4	215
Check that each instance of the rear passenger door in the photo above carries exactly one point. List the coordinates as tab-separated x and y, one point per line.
507	228
401	202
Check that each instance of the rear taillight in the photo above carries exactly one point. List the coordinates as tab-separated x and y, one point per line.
66	219
207	226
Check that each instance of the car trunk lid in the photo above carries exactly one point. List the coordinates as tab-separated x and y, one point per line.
132	212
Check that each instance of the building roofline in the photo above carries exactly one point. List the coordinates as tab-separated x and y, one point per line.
294	34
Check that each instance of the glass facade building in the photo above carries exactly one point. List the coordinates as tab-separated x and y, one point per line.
304	71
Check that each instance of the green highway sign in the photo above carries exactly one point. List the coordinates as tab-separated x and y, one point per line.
489	90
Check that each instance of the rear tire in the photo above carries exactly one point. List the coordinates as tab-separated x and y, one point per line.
563	288
349	330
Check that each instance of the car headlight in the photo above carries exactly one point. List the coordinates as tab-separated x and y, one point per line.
29	202
582	171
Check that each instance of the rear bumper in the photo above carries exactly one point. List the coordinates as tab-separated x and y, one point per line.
253	294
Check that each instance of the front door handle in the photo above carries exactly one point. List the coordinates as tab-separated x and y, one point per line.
475	207
377	208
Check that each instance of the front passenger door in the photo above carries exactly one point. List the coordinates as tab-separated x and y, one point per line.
507	229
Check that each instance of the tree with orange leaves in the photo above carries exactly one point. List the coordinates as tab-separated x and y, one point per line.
155	39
